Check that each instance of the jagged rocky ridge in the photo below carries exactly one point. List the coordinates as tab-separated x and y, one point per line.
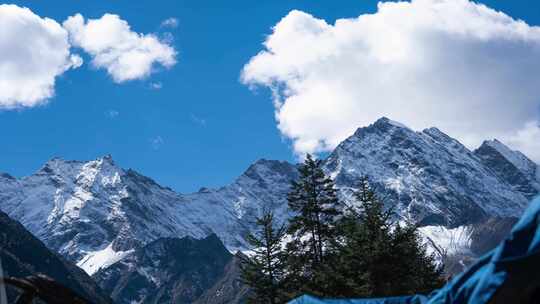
95	213
428	176
513	167
173	270
22	255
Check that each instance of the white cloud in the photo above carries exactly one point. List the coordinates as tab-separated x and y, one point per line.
156	142
33	52
156	85
170	23
167	37
461	66
197	120
125	54
112	114
526	140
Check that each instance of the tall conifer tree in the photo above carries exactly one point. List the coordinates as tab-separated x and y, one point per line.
313	200
264	270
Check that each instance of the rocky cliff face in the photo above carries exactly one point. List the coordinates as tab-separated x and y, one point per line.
172	270
513	167
22	255
229	289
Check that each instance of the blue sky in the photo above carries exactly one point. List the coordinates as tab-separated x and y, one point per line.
203	127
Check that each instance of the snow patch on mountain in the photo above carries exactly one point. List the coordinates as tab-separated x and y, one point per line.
95	260
447	241
238	207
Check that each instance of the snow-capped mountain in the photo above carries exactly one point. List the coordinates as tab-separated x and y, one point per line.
95	213
427	176
434	180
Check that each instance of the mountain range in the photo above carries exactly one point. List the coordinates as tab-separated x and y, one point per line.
115	223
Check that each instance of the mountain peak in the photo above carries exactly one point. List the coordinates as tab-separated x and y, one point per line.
495	143
264	167
381	125
517	158
385	121
105	163
435	178
57	165
511	166
54	160
499	146
440	136
107	158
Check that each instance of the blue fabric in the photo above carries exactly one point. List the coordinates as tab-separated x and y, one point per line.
479	283
395	300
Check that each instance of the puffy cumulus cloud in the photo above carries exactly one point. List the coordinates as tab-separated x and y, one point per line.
33	52
126	55
455	64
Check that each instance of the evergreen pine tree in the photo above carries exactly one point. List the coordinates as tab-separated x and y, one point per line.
264	270
375	231
313	200
414	270
380	257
